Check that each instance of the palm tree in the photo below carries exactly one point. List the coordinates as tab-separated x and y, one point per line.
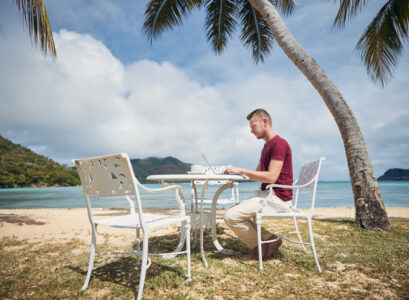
36	19
260	25
382	41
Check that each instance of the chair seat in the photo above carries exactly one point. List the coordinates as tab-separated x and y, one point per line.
221	201
131	221
292	212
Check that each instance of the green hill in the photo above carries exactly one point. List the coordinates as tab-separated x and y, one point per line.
395	174
153	165
21	167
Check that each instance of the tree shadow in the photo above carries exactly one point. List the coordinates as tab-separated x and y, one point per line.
18	219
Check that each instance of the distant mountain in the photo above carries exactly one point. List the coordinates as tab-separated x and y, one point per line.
395	174
21	167
153	165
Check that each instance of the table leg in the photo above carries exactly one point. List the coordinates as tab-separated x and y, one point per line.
213	218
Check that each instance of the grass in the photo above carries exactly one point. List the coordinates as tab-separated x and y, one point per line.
356	264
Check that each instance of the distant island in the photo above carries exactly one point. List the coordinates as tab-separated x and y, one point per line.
395	174
22	167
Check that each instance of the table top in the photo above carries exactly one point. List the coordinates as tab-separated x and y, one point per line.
190	177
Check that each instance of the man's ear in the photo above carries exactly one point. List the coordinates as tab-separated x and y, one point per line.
265	121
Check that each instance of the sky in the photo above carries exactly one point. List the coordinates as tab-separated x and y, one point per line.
111	90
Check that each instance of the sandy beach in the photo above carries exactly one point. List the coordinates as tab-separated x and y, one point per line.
52	225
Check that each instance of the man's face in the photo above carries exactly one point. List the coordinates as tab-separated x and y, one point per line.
258	127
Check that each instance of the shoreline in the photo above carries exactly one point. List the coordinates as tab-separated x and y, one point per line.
50	225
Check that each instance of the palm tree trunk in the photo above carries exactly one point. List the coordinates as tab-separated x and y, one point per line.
370	211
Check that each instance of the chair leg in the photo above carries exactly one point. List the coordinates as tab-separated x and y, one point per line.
143	265
187	226
201	242
298	232
91	257
260	255
309	221
138	245
182	237
179	247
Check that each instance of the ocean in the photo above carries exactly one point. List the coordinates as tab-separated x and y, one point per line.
329	194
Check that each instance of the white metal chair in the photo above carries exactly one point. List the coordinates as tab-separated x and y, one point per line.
307	179
112	176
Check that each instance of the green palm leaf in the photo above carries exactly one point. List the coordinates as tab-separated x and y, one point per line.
220	22
255	31
36	19
287	7
347	10
381	43
166	14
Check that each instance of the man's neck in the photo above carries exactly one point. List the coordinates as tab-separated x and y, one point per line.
269	135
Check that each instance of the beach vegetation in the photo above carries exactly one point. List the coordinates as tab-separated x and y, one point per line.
356	264
21	167
261	25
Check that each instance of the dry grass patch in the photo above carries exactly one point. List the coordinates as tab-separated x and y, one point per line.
356	264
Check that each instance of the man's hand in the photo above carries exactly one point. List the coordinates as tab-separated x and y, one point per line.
233	170
270	176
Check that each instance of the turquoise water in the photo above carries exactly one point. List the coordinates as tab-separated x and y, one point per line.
329	194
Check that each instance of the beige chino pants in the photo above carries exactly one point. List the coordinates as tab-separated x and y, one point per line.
240	217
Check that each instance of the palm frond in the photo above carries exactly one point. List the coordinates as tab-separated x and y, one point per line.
347	10
39	27
255	31
287	7
381	43
166	14
220	22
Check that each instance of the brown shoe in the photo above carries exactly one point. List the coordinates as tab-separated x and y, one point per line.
255	252
270	248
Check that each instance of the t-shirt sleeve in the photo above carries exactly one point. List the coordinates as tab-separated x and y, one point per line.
279	151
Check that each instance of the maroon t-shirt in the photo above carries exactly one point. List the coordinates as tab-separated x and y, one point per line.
278	148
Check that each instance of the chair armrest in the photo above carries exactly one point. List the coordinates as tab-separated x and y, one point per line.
292	187
166	188
270	186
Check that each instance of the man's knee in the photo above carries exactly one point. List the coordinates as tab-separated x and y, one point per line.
228	216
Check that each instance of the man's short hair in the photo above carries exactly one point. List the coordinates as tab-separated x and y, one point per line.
261	113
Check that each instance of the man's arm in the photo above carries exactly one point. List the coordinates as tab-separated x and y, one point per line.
270	176
258	166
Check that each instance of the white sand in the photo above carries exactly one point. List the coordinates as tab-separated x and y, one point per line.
48	225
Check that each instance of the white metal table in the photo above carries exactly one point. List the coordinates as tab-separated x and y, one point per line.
226	181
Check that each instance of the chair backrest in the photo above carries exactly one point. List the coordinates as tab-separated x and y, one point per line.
113	176
308	179
309	173
107	176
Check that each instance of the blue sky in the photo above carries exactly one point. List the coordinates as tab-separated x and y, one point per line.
110	90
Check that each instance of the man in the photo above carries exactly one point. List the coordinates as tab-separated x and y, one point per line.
275	166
